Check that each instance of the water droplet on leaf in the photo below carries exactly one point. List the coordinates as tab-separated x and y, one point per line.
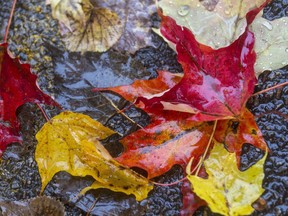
183	10
227	12
268	25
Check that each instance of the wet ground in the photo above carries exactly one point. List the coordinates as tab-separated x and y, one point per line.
69	78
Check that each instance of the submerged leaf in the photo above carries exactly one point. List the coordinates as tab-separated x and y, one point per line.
124	24
271	43
42	205
66	10
215	23
227	190
70	142
101	30
137	31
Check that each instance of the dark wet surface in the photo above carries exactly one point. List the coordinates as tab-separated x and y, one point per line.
69	78
41	205
272	109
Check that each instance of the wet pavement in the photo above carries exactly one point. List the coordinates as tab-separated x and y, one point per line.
69	78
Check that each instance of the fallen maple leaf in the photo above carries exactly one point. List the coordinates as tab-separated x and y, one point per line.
89	28
232	132
216	23
17	86
125	25
70	142
271	39
271	43
216	83
227	190
169	139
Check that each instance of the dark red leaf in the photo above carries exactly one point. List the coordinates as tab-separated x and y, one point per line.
191	202
17	86
8	135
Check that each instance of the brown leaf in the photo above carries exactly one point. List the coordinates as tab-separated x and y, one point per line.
101	30
65	10
127	22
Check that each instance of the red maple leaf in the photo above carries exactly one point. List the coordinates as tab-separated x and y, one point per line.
216	86
169	139
216	83
17	86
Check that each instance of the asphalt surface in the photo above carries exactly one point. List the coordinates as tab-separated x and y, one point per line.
69	77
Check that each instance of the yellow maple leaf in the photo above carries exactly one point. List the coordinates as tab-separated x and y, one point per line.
227	190
70	142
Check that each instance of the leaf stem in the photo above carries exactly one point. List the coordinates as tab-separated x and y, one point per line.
9	21
169	184
207	148
271	88
120	111
272	112
92	206
43	112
